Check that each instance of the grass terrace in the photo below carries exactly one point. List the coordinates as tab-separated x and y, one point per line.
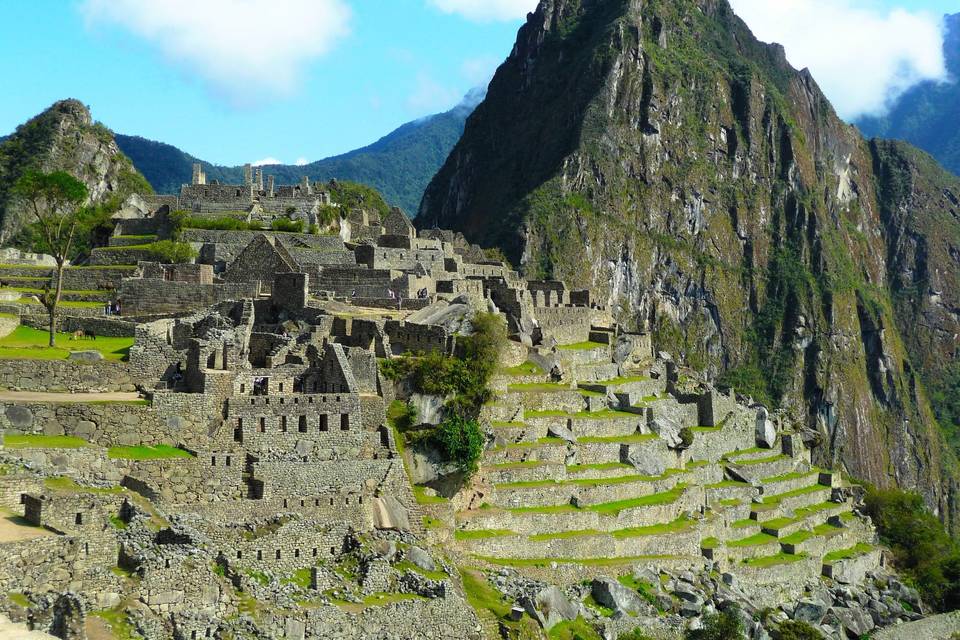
583	346
39	441
27	343
755	540
633	439
677	526
481	534
601	466
756	461
774	560
69	485
158	452
539	387
526	369
846	554
613	382
587	562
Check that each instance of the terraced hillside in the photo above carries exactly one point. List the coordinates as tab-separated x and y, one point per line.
651	471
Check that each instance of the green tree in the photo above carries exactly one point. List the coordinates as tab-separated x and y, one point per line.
461	441
724	625
55	200
172	252
796	630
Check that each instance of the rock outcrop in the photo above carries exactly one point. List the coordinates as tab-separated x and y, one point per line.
65	138
659	154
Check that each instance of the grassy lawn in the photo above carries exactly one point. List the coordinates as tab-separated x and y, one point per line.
634	439
583	346
577	629
526	369
563	535
27	343
31	441
755	461
753	541
846	554
772	561
69	485
423	498
613	382
614	508
158	452
677	526
587	562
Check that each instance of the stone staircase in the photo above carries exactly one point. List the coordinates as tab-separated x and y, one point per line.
576	472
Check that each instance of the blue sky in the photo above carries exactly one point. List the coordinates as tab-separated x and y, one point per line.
235	81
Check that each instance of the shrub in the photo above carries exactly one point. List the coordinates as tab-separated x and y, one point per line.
922	548
403	415
686	437
636	634
171	252
461	442
724	625
283	224
796	630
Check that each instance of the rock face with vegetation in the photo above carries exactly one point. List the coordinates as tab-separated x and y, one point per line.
65	138
658	153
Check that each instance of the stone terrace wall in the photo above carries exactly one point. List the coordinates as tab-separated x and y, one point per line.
100	325
66	375
105	425
43	563
145	297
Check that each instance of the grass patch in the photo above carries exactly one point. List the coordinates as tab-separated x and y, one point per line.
730	502
19	599
709	543
755	540
406	565
69	485
432	523
539	442
613	382
774	560
27	343
587	562
845	554
600	610
601	466
677	526
583	346
40	441
481	534
746	523
526	369
563	535
577	629
774	500
756	461
118	622
634	439
614	508
423	498
143	452
542	387
301	577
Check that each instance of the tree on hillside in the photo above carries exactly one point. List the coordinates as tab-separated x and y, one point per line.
55	201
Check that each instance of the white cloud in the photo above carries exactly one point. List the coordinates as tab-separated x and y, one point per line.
265	161
250	50
487	10
301	161
429	96
861	56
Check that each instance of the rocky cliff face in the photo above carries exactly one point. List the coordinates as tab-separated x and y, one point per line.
65	138
655	151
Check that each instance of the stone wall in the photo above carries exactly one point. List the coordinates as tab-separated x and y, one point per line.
100	325
149	297
67	375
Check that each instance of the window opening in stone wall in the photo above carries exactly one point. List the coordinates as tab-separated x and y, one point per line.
263	425
213	461
283	424
324	426
278	554
228	461
344	422
302	426
78	519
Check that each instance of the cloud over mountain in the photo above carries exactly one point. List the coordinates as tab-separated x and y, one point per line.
487	10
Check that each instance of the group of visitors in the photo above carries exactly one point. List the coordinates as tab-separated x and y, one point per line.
112	308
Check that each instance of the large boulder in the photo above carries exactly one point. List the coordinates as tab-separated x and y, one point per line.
421	558
19	417
667	429
429	408
550	607
614	595
85	356
766	430
810	611
642	460
855	621
388	513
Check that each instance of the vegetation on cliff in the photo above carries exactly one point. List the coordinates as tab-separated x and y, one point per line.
659	154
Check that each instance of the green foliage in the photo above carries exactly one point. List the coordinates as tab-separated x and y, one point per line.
54	201
290	226
353	195
402	415
922	548
796	630
172	252
945	398
461	442
686	437
747	379
723	625
636	634
184	220
496	254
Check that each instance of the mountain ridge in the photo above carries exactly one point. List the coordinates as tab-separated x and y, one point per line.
399	164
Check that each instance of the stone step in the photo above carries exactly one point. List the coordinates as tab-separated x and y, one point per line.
524	472
752	546
790	481
646	449
666	539
592	371
823	539
755	453
783	505
548	450
804	518
593	492
758	468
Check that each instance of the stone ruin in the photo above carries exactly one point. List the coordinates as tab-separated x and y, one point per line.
615	486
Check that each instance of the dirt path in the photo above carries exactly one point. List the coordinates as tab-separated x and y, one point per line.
33	396
11	631
14	528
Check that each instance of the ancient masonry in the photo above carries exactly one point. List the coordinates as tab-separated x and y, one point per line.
257	488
